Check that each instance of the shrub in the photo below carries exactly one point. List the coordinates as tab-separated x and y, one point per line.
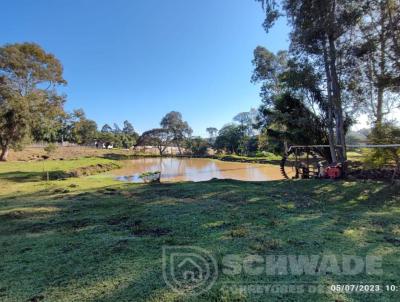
50	149
198	146
385	134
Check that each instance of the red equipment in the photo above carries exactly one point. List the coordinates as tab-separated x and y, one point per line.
333	171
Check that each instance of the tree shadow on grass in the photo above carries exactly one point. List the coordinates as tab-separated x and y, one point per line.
30	176
116	156
101	236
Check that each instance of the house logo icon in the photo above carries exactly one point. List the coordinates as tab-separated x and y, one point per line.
189	269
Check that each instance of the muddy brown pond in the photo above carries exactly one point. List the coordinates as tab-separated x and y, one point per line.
196	169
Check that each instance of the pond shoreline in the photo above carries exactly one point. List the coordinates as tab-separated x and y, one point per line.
226	158
33	154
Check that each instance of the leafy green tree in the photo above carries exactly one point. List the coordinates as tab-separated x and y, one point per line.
198	146
107	135
286	78
378	80
251	146
50	149
246	121
385	134
268	69
129	136
263	140
300	125
321	31
393	11
126	141
229	138
160	137
128	128
117	130
49	126
83	130
28	97
64	127
125	138
180	129
212	133
106	129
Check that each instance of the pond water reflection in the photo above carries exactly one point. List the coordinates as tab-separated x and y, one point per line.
196	169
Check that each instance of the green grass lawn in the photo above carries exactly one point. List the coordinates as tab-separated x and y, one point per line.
94	239
36	170
270	157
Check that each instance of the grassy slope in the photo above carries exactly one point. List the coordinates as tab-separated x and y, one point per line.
73	152
93	239
16	172
232	157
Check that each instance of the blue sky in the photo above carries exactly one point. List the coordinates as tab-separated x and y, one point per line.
139	59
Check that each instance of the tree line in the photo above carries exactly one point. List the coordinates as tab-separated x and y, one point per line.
32	110
343	60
